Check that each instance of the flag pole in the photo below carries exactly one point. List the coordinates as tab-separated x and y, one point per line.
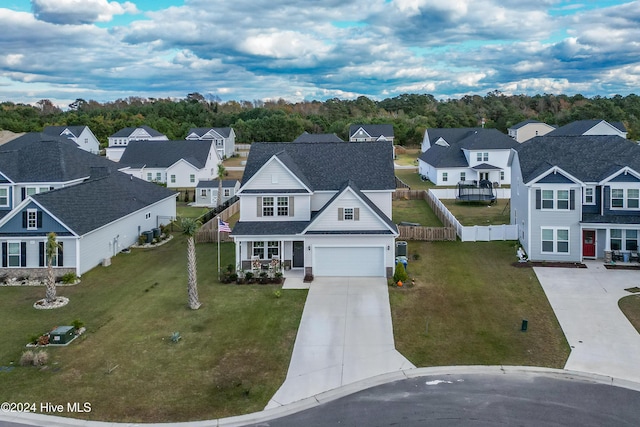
218	228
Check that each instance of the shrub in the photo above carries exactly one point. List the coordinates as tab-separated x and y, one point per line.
142	239
416	256
77	324
69	278
40	358
27	358
401	274
249	276
43	340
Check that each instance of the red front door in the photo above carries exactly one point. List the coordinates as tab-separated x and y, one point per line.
589	243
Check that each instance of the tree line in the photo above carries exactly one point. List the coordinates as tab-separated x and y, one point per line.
280	120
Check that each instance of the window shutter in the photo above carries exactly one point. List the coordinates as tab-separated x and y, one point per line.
538	199
23	254
572	200
291	206
356	214
60	254
24	219
41	252
4	254
24	193
340	214
39	219
249	251
259	203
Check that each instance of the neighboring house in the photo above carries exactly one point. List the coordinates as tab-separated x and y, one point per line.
318	137
178	164
576	197
81	135
207	191
323	208
590	127
368	133
36	163
224	139
119	140
528	129
465	155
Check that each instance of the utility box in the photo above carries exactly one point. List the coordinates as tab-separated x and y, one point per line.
61	335
156	232
148	236
401	249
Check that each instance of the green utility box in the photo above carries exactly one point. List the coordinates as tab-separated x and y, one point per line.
61	335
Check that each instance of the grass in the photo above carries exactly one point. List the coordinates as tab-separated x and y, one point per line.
474	302
630	306
407	157
233	355
471	213
183	210
415	211
412	179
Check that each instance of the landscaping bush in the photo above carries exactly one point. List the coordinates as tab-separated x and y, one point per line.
77	324
40	358
69	278
27	358
401	274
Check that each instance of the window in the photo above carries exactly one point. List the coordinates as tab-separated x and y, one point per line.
348	214
617	198
631	240
501	175
482	157
203	193
32	219
258	249
547	199
173	179
86	140
445	177
192	178
159	176
272	249
227	192
31	191
283	206
555	240
147	215
13	254
219	142
563	199
479	157
463	176
633	196
588	196
4	197
149	176
616	240
267	206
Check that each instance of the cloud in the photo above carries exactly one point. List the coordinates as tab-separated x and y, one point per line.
78	12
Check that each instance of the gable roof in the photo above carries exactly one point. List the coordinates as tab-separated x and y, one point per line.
57	130
327	165
164	153
213	183
224	132
36	157
589	158
374	131
101	200
318	137
524	123
579	127
126	132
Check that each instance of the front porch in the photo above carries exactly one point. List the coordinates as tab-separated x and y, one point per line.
284	255
617	243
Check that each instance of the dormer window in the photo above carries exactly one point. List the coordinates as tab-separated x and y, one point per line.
348	214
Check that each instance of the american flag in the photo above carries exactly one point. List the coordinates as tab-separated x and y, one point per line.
223	226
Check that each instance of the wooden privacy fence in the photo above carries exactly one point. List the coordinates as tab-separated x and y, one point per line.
209	231
430	234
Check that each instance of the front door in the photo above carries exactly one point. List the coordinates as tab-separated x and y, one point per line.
589	243
298	254
484	176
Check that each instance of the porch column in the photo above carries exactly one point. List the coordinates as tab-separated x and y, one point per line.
607	246
239	255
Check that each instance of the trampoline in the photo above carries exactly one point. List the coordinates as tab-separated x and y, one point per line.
475	191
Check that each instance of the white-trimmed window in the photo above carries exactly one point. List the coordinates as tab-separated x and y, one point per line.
258	249
562	198
445	176
149	176
173	179
624	240
463	176
32	219
349	214
226	192
4	196
30	191
633	198
501	175
482	157
555	240
589	196
159	176
625	198
273	249
617	198
203	192
14	254
267	206
547	199
283	206
192	178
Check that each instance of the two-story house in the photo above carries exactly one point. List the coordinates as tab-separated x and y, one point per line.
454	155
120	140
178	164
81	135
324	208
528	129
576	197
368	133
223	138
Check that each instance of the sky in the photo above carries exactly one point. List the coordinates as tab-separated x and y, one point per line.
104	50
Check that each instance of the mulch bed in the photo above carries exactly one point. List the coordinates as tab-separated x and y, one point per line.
621	267
531	264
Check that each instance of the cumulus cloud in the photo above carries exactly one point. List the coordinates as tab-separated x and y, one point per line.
77	12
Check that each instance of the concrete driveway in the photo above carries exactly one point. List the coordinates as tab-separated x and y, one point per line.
345	335
585	302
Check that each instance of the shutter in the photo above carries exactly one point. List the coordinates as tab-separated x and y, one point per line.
538	199
24	219
291	206
4	254
572	200
356	214
39	219
41	253
23	254
24	193
259	203
60	254
249	252
340	214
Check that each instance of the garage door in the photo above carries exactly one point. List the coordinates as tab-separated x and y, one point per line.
349	261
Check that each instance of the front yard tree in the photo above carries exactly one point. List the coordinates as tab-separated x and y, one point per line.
52	247
221	171
189	228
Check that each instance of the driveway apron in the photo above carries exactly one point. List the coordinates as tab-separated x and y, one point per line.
585	301
345	335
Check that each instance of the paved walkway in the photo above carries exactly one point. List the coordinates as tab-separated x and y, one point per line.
345	335
585	302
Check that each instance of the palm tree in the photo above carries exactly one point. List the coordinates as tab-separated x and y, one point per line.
189	228
51	248
221	172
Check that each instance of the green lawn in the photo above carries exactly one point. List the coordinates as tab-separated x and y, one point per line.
472	213
415	211
185	211
408	158
474	301
412	179
630	306
233	356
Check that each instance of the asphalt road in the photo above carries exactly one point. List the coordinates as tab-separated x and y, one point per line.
527	399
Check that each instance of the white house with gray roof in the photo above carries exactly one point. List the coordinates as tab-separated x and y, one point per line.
81	135
223	138
322	208
120	140
576	197
369	133
528	129
454	155
207	192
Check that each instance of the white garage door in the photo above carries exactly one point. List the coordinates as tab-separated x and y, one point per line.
349	261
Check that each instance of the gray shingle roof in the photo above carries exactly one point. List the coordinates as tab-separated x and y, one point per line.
57	130
318	137
162	154
36	157
588	158
579	127
326	166
373	130
126	132
524	123
213	183
96	202
224	132
264	228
